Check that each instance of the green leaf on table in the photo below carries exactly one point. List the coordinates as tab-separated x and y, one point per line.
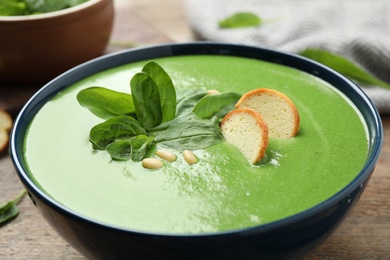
240	20
343	66
210	105
146	98
9	210
106	103
166	89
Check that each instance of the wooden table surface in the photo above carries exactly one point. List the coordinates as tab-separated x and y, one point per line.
365	234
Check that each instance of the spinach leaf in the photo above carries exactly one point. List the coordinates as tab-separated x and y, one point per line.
125	127
210	105
189	100
146	98
119	150
139	147
106	103
240	20
135	148
12	7
343	66
26	7
114	128
189	120
191	132
9	210
71	3
45	6
166	89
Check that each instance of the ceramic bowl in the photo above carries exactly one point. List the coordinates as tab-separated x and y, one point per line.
36	48
287	238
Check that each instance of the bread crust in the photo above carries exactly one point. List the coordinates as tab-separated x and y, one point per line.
5	120
248	100
5	126
3	140
260	123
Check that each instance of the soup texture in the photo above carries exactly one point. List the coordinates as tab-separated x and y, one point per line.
222	191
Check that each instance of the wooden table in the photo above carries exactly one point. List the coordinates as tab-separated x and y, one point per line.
365	234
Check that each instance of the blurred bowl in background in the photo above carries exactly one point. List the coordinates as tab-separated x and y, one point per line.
36	48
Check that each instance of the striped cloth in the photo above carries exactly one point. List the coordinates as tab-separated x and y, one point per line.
356	29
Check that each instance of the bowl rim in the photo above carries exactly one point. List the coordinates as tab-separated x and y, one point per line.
49	15
167	49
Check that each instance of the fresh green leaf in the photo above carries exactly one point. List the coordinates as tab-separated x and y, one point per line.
210	105
12	7
119	150
241	20
11	213
45	6
191	133
125	127
192	122
183	117
188	100
166	89
106	103
100	136
71	3
139	147
9	210
114	128
146	98
343	66
135	148
27	7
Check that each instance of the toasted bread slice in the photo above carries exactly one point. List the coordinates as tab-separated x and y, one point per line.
246	129
3	140
277	109
5	120
5	127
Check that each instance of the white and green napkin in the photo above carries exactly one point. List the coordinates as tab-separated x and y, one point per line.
358	30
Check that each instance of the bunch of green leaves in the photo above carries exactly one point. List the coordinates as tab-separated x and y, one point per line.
9	210
344	66
26	7
153	114
240	20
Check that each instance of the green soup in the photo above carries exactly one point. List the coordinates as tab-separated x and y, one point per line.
222	191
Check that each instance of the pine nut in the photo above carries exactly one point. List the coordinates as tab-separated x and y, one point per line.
213	92
152	163
168	156
189	157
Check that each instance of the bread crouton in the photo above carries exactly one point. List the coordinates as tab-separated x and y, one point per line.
246	129
5	126
278	111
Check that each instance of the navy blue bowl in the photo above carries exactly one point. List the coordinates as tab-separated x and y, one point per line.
287	238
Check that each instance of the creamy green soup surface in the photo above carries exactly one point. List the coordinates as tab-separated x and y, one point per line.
223	191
